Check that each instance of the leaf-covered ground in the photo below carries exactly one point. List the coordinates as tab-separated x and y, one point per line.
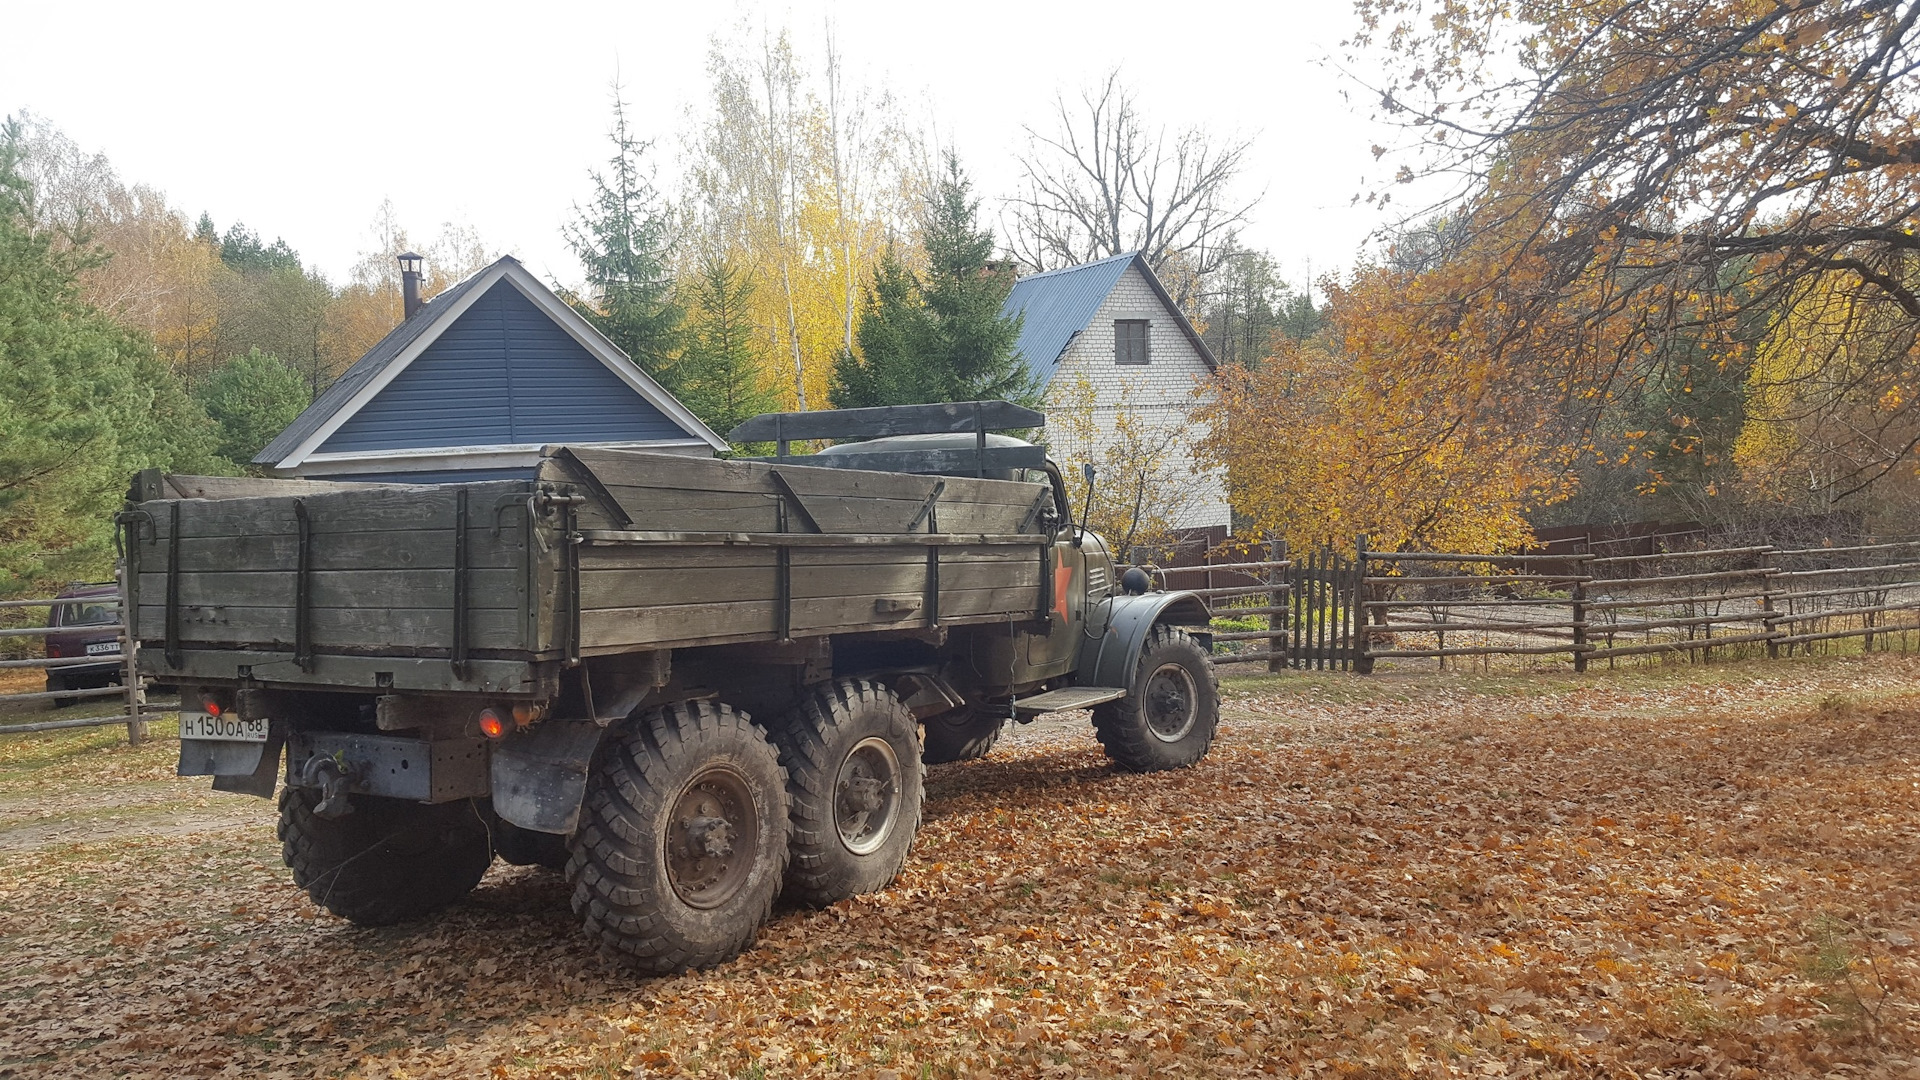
1684	872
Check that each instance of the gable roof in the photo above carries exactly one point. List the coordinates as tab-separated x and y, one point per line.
360	383
1059	304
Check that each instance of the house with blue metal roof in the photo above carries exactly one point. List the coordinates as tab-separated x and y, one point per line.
473	383
1109	344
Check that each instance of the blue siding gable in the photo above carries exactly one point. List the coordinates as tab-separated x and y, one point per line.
503	373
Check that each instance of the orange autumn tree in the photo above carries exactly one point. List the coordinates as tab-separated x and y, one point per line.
1400	421
1647	187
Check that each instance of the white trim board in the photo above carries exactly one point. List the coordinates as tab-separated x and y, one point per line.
554	308
447	458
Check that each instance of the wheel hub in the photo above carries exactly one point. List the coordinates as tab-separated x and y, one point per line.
1171	702
712	832
867	796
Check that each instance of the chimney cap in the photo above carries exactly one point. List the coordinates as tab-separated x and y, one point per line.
410	262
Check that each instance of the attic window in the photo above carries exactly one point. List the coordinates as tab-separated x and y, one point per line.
1130	341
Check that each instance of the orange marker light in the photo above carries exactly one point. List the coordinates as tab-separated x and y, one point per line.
524	714
491	725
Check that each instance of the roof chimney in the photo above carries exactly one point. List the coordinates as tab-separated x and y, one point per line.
410	282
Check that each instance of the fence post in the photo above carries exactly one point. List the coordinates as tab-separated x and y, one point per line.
1362	662
1766	603
136	695
1276	599
1580	614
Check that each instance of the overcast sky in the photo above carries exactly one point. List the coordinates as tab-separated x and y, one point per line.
300	119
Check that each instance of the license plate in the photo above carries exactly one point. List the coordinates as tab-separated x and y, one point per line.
99	647
199	725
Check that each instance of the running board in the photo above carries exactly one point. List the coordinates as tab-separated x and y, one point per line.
1071	697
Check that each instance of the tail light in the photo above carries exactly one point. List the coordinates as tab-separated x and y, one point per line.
211	706
492	725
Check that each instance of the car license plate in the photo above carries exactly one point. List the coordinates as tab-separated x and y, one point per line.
99	647
222	728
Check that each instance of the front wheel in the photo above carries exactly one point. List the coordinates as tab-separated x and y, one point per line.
1172	707
852	753
682	838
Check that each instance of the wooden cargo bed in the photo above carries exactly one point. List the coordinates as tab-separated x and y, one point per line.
605	551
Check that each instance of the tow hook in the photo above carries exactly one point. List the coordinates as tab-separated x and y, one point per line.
331	776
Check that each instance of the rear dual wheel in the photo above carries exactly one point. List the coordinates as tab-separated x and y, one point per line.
683	837
389	860
853	758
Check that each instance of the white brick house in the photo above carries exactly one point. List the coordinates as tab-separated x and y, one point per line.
1114	351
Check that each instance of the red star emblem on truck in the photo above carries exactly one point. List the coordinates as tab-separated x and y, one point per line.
1062	581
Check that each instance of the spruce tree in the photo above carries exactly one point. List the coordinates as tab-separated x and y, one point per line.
892	364
252	398
942	338
718	377
970	346
621	237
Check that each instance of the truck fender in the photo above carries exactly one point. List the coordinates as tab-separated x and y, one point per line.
539	776
1123	623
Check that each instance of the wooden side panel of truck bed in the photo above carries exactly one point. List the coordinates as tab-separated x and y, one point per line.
380	569
653	594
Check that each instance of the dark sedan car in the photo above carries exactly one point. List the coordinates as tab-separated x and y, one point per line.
87	628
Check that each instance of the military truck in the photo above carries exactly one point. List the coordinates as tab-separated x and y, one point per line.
690	684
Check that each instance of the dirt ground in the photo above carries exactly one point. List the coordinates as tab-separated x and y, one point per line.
1665	872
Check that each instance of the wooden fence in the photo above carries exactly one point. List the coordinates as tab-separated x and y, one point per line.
1326	610
132	691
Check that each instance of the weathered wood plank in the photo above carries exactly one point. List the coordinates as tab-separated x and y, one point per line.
640	588
637	470
833	514
378	508
368	627
927	462
415	549
622	557
179	486
490	588
657	624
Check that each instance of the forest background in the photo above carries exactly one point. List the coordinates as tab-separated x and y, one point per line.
1669	278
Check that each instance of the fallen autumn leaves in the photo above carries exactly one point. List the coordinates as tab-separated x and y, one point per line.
1617	877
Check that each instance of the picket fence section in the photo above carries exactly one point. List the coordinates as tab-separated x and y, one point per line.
1330	610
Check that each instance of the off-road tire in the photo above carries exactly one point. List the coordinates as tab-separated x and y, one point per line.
1135	730
963	734
852	718
524	847
388	861
622	861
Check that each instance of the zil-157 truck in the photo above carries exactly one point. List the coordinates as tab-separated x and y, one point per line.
689	683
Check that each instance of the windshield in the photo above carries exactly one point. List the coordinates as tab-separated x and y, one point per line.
91	613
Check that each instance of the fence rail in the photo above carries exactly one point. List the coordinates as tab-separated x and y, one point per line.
132	690
1325	610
